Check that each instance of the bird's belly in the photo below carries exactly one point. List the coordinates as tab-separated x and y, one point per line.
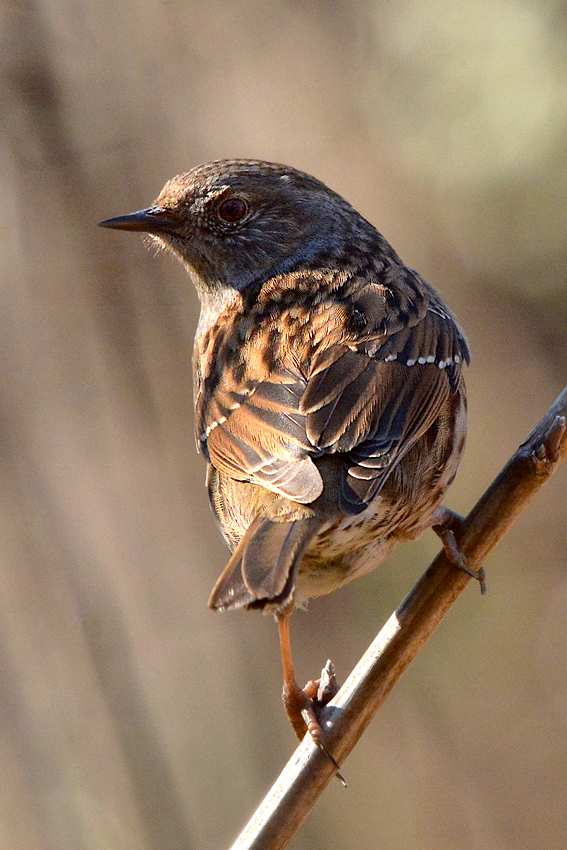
352	546
346	549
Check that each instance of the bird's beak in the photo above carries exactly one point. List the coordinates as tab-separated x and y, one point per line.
151	220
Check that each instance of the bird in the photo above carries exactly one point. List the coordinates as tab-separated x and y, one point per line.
330	402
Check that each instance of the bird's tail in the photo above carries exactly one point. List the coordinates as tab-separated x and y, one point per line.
263	567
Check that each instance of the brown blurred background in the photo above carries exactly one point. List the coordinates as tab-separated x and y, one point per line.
130	716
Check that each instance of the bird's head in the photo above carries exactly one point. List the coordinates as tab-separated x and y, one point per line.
235	222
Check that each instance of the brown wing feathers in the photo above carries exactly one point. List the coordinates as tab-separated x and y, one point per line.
370	396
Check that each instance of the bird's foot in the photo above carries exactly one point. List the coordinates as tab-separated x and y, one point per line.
444	523
303	707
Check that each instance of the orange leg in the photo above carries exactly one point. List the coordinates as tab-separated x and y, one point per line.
295	699
300	705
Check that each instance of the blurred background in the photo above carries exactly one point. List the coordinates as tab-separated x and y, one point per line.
130	716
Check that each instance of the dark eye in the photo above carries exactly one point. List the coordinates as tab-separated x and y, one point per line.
232	210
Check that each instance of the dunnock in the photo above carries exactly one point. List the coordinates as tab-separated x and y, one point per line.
330	401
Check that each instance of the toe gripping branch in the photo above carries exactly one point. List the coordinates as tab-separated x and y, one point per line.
533	463
445	523
319	693
304	707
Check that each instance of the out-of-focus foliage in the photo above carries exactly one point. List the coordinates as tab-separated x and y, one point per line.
130	716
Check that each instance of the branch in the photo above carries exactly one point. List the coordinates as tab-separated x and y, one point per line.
307	773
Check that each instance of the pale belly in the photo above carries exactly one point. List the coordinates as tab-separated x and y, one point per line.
352	547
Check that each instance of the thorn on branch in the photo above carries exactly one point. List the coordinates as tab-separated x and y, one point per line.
544	453
553	439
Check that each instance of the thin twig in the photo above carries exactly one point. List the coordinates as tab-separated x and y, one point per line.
307	773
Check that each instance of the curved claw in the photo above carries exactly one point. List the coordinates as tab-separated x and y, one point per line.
318	736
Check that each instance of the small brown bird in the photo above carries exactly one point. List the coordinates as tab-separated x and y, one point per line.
330	403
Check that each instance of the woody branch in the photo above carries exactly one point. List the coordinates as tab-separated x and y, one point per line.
294	794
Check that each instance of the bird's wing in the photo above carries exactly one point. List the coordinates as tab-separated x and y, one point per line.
262	436
372	399
366	376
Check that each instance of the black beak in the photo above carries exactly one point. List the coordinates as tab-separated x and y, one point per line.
150	220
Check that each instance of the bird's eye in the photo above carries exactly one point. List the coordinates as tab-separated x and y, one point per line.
232	210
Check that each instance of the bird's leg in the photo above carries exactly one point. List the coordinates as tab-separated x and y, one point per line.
299	704
295	699
444	523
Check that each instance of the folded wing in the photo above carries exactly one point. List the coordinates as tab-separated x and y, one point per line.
367	389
